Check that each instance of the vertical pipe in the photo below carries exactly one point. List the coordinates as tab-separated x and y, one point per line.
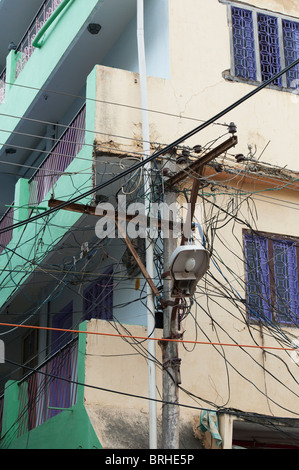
149	246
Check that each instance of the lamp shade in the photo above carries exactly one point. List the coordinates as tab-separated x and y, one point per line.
188	264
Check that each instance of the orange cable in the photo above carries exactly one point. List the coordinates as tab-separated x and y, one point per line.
149	337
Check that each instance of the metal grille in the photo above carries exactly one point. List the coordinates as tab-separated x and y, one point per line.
6	221
2	85
56	162
1	414
286	281
269	47
44	393
243	43
257	271
272	278
25	47
291	50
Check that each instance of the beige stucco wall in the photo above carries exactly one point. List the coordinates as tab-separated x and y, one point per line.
287	7
196	91
200	54
245	384
117	363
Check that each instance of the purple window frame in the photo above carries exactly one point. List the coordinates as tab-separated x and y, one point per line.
243	43
62	320
98	298
272	277
263	44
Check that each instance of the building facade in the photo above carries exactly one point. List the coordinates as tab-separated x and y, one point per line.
81	110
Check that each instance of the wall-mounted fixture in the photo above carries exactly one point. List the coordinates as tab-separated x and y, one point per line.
94	28
10	150
12	46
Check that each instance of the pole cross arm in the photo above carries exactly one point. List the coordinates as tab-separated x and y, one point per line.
90	210
195	167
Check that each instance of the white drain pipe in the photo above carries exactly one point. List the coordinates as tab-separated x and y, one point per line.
149	247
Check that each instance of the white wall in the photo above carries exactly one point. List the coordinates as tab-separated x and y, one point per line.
124	54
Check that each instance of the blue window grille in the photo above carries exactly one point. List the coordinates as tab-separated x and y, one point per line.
291	50
98	298
243	43
269	47
286	281
263	45
257	274
272	279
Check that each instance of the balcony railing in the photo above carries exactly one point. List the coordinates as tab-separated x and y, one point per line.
2	85
1	414
46	176
25	47
59	158
49	390
6	221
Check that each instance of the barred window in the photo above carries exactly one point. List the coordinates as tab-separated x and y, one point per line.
98	298
262	45
271	264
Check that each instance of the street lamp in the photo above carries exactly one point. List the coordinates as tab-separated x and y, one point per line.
188	264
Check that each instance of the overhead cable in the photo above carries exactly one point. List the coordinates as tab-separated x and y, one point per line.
158	152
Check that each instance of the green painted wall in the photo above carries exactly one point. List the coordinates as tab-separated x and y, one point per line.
24	244
55	46
70	429
17	101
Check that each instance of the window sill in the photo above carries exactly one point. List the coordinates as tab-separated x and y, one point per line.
231	78
265	321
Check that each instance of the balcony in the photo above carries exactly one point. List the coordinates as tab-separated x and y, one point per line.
40	84
44	393
49	172
59	158
26	46
49	390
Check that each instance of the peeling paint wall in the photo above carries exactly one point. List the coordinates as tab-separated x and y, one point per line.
196	90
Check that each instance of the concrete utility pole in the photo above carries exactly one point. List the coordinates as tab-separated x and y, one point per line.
148	242
170	360
170	356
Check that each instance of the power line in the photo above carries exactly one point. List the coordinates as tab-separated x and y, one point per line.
232	412
208	343
63	93
93	190
220	409
158	153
